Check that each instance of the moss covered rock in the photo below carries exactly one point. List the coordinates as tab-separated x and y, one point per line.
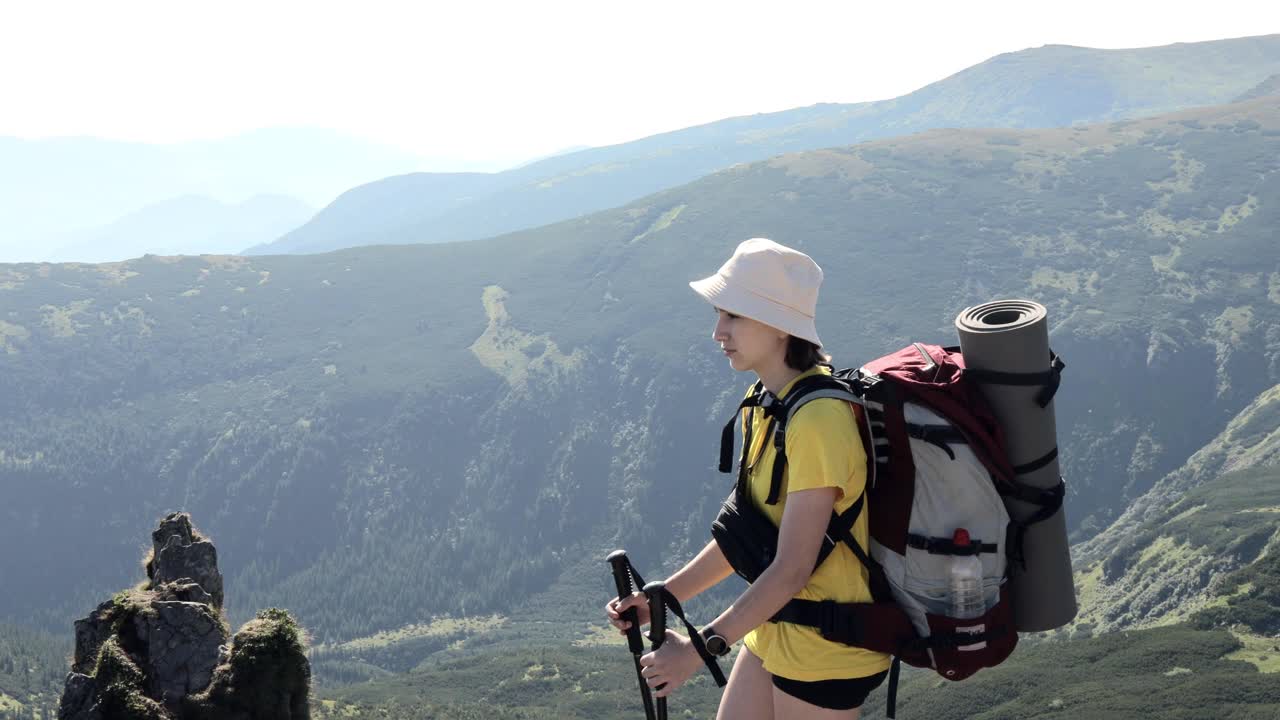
266	674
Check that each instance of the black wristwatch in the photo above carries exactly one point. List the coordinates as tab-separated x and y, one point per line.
716	644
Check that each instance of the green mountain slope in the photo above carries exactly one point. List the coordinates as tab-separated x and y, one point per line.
1170	555
378	435
1050	86
1166	674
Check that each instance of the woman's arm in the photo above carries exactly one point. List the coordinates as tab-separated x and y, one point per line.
705	570
804	523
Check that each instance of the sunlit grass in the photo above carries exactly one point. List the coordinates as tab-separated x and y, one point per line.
438	627
1261	652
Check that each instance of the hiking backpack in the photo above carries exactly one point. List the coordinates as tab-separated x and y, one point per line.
936	463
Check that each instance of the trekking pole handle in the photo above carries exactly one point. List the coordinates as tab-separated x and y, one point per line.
656	592
622	581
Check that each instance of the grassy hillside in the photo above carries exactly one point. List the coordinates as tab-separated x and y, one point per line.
1200	545
381	435
1174	673
1050	86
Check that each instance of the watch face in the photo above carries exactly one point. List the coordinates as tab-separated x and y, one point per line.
717	646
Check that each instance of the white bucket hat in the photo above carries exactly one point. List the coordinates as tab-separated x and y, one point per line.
768	282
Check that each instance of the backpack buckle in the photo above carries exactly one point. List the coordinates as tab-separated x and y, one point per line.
835	625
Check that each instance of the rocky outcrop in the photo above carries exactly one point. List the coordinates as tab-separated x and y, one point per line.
265	674
161	650
178	553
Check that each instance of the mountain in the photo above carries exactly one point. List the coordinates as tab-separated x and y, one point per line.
189	225
1044	87
60	185
382	434
1168	556
1270	86
366	212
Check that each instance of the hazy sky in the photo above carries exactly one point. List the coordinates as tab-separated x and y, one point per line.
511	80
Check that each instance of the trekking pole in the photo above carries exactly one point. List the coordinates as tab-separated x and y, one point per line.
656	592
622	572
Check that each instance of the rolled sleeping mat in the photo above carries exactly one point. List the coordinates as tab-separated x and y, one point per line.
1005	344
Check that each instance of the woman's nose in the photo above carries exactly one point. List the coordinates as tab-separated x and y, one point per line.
720	333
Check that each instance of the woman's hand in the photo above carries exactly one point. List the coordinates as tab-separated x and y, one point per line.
614	610
670	665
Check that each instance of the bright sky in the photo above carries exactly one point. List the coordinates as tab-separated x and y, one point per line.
490	80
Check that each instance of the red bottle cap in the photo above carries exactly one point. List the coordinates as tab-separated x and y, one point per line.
961	538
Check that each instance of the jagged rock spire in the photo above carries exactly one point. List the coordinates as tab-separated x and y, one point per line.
161	650
179	553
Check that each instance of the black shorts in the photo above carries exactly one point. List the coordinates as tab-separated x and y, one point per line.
831	694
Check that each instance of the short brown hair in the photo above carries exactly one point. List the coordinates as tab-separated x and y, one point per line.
802	354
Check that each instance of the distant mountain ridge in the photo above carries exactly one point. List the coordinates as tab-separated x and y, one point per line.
1050	86
364	211
189	225
1270	86
54	186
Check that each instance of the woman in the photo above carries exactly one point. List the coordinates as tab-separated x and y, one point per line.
764	298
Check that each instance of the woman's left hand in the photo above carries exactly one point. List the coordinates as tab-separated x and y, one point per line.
670	665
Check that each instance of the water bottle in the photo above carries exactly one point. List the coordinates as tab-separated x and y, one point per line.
966	589
965	581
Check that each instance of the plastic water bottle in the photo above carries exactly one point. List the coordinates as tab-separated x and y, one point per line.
965	581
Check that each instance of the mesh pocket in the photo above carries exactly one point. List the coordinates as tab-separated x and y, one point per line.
957	656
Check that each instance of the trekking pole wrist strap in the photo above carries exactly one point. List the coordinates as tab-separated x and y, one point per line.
695	637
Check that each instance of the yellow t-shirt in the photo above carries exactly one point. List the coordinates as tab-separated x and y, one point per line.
824	449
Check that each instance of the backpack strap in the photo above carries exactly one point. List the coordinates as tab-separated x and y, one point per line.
803	392
1034	465
1049	500
840	527
945	546
754	398
939	436
881	627
1048	380
815	613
